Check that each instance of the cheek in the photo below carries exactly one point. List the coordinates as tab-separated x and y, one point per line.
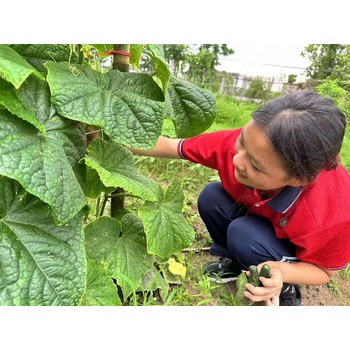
234	160
239	162
279	175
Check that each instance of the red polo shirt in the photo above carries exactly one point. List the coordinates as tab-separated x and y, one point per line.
315	218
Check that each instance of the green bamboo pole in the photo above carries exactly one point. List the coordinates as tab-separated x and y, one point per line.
121	57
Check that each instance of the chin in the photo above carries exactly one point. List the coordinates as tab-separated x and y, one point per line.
241	179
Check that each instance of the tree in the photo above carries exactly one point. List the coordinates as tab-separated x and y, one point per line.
329	61
340	96
195	61
204	60
200	65
217	50
177	55
324	59
292	78
257	89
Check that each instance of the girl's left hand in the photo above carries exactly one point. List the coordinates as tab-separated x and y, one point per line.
271	286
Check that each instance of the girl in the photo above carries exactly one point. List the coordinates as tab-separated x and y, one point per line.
282	198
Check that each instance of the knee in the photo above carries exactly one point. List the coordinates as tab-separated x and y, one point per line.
239	236
247	234
210	196
248	239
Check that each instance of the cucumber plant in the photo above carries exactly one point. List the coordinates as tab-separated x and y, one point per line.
57	245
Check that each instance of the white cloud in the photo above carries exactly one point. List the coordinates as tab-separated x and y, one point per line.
270	60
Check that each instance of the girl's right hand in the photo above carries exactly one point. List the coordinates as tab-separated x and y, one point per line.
271	289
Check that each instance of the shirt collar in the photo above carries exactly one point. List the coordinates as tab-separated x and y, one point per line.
285	199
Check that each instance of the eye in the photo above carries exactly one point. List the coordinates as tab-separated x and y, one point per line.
255	168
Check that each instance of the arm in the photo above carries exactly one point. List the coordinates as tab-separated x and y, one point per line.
296	273
303	273
165	148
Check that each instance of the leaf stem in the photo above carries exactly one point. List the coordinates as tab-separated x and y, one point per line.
121	194
98	206
103	205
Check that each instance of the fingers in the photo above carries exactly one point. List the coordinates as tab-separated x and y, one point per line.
265	293
269	289
275	301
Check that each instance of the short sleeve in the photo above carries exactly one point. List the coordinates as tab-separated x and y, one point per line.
208	149
335	253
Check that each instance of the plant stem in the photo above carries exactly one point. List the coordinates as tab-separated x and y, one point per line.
121	62
98	206
103	205
121	194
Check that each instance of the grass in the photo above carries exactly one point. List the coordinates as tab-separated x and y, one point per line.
231	114
345	158
345	274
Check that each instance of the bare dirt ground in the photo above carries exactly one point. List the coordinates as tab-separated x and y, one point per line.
335	293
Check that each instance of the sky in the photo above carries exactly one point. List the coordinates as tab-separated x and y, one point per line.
266	59
263	33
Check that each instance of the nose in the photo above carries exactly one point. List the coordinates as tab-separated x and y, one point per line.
238	162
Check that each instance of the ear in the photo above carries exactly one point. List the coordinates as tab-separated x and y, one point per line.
294	182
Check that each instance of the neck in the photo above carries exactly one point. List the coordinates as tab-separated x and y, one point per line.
266	194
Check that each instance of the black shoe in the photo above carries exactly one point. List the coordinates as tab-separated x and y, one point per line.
220	271
290	295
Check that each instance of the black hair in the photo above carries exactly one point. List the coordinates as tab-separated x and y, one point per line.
306	130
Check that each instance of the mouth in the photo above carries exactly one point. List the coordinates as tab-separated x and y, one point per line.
240	174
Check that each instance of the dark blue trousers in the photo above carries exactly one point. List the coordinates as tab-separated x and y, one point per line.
246	238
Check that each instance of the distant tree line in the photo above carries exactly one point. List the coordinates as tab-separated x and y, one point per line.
329	68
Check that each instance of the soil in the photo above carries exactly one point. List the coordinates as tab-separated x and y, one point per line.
335	293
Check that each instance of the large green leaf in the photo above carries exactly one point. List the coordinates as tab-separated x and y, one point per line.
136	53
125	105
38	54
153	281
13	67
193	109
120	248
5	85
156	52
92	184
70	135
40	263
35	97
100	288
41	166
166	229
115	166
9	100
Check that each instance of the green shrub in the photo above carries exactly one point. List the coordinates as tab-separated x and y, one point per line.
231	113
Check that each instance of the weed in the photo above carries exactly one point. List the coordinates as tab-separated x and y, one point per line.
334	287
345	274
